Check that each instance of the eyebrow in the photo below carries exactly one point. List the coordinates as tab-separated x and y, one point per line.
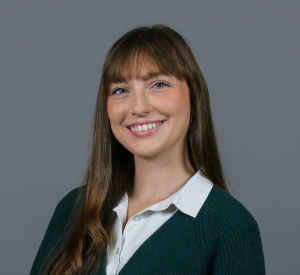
151	75
144	78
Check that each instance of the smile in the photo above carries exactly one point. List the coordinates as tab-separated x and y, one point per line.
144	127
145	130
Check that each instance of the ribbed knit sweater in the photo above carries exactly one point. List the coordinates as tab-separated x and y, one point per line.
224	239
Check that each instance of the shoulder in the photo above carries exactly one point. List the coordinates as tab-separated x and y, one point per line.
54	236
224	212
230	235
66	206
69	199
63	218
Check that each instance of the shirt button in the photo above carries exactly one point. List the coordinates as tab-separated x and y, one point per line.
136	218
117	251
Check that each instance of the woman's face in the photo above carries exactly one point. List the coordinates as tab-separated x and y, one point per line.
150	116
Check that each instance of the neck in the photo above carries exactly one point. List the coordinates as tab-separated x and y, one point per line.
158	178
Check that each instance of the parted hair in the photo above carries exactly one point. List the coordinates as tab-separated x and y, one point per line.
110	170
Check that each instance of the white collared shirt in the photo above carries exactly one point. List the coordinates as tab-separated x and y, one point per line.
189	200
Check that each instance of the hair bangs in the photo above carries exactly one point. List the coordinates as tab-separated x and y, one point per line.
134	60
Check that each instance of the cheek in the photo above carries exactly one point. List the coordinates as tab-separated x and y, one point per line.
116	118
115	112
177	105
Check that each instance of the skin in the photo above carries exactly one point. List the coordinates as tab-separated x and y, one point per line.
161	159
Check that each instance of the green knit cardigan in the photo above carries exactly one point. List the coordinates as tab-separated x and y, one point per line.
223	239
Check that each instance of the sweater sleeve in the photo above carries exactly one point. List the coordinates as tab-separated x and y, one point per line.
238	243
53	236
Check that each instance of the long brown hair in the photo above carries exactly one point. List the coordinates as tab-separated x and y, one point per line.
110	171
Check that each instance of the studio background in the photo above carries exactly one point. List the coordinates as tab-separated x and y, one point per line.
51	56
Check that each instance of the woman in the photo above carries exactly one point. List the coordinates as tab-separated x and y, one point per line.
154	199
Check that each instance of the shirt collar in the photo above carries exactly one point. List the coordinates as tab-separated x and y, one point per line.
193	195
189	199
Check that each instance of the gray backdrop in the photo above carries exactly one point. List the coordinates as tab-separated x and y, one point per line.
51	58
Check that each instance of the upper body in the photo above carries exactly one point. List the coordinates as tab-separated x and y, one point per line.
127	239
221	237
152	131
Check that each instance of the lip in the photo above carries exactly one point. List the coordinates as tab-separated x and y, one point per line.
145	122
148	132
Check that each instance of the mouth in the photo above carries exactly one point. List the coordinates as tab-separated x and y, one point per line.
145	130
144	127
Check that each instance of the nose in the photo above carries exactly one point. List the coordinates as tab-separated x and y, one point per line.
141	105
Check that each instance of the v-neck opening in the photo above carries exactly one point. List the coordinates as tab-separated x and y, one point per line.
179	218
178	214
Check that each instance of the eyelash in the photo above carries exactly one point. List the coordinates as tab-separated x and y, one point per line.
158	82
114	91
161	82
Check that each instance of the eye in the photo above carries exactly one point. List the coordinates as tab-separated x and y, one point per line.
119	91
160	84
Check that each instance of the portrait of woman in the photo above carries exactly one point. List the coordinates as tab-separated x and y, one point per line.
154	198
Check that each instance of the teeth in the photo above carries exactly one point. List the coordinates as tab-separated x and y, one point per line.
144	127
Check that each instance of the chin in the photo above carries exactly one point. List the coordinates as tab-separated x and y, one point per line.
146	152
